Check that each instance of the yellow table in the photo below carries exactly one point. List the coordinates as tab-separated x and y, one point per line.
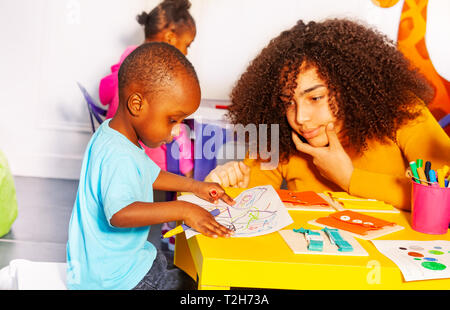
267	261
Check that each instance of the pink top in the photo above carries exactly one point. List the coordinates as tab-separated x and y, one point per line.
109	95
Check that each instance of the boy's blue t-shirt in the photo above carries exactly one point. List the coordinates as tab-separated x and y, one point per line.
114	174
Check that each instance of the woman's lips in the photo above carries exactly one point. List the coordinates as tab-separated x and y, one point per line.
309	134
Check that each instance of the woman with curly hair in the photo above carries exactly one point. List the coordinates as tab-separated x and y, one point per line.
351	112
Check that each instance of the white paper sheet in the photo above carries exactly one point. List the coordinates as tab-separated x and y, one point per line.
418	260
258	211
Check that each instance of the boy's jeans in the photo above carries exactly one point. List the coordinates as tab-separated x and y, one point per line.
161	278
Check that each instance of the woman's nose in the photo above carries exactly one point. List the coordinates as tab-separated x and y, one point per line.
302	113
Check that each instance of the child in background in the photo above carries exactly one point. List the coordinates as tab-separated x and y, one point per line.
352	113
172	23
169	22
107	246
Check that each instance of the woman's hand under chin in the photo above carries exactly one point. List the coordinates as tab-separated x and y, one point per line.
332	161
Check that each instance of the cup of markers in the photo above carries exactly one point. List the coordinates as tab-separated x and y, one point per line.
430	198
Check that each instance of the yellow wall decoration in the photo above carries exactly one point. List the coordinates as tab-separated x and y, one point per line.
411	41
385	3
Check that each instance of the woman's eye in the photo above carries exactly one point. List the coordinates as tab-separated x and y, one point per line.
317	98
172	121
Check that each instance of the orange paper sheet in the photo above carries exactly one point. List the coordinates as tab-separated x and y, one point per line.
303	198
353	222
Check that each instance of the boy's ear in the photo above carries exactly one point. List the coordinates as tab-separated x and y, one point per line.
135	104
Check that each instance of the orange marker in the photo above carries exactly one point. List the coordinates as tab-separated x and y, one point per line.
445	169
441	177
422	177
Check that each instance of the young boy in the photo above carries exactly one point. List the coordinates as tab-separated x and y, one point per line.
107	246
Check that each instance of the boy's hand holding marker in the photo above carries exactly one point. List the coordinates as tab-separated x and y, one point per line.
211	192
200	219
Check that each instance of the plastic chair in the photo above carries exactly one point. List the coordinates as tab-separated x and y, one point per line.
445	121
202	164
173	163
173	166
94	110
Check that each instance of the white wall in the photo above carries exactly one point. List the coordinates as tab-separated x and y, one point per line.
232	32
48	45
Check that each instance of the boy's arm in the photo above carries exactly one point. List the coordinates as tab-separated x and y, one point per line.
122	208
167	181
140	214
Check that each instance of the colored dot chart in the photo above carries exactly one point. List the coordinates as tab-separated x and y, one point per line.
418	260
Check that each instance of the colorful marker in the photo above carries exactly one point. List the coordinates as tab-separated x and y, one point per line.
422	176
427	170
441	177
419	163
413	166
213	193
183	227
445	170
433	178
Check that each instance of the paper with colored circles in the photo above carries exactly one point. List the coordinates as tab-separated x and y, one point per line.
361	225
418	260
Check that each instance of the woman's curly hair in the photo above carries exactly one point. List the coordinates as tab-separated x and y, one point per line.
372	86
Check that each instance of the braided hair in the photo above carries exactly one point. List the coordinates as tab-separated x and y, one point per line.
172	14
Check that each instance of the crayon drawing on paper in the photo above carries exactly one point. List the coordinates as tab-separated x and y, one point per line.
258	211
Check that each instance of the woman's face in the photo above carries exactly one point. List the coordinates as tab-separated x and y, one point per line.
181	40
309	111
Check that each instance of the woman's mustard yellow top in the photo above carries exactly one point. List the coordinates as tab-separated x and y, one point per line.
379	172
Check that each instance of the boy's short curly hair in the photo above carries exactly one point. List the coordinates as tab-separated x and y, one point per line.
372	86
153	66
